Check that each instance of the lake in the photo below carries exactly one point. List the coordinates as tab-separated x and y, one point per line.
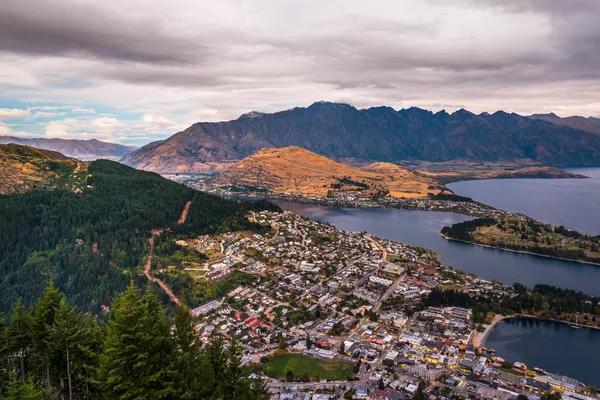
421	228
574	203
552	346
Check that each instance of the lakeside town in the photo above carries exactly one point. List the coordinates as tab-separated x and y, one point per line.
330	314
354	199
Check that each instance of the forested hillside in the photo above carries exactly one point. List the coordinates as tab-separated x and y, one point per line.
50	351
91	244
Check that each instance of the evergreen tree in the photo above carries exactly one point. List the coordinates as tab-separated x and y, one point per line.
260	388
64	335
158	346
237	383
43	316
19	338
4	353
28	390
216	359
124	361
194	373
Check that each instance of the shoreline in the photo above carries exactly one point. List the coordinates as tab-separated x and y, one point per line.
480	337
519	251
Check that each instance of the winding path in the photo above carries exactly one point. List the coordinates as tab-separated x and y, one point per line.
148	264
151	278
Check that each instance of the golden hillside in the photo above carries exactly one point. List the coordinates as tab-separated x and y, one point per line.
23	168
299	171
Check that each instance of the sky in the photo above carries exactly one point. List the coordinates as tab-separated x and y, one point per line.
135	71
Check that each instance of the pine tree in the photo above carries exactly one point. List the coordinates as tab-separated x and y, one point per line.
19	338
28	390
237	383
123	358
89	354
43	316
4	352
260	388
159	375
216	359
194	373
64	335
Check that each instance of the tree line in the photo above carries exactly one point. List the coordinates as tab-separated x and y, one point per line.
546	300
51	351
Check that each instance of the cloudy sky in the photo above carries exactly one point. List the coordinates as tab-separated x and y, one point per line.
133	71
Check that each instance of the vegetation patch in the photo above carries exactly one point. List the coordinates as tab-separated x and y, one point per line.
308	368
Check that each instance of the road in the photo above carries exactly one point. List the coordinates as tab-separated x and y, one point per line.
388	292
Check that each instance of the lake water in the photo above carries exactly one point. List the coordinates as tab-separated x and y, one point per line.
421	228
552	346
574	203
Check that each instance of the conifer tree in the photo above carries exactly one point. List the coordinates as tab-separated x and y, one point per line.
28	390
237	384
158	345
122	360
64	335
217	361
4	352
194	374
19	338
43	315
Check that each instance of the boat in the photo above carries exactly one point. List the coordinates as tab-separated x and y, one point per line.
576	324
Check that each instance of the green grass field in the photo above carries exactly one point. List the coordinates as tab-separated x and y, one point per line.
307	367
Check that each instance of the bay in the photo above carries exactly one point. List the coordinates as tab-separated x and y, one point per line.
552	346
574	203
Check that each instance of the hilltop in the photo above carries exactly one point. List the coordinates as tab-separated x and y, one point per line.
85	150
342	132
300	171
23	168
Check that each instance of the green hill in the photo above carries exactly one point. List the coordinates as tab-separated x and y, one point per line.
91	243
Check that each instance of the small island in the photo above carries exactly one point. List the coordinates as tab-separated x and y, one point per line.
524	234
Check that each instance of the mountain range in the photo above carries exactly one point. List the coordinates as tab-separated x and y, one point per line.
85	150
342	132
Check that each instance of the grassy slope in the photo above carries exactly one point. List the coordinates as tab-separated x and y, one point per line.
296	170
24	168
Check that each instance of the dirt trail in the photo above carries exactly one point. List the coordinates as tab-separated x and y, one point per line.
185	212
147	267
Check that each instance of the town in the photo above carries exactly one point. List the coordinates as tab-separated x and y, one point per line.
330	314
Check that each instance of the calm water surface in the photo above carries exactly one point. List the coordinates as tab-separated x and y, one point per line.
570	202
421	228
552	346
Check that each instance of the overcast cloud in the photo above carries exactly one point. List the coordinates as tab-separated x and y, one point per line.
138	70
